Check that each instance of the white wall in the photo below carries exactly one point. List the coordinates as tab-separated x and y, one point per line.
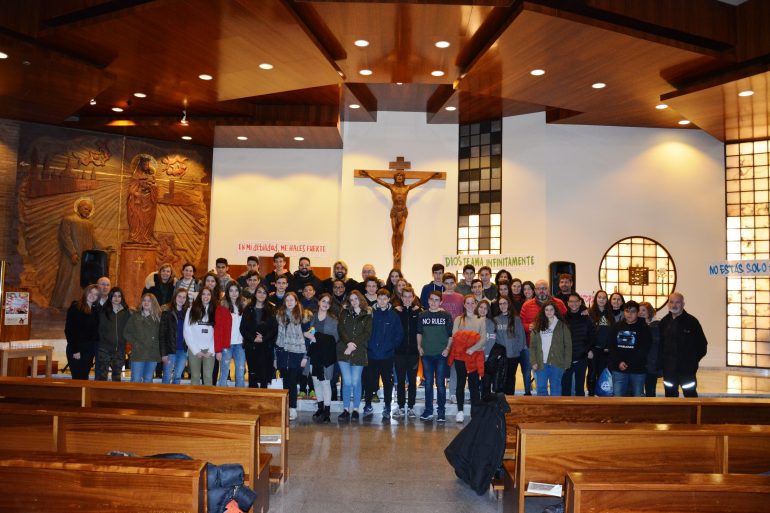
273	194
583	188
569	192
432	223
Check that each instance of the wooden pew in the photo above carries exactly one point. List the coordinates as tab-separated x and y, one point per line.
270	405
547	452
612	491
701	410
211	437
46	481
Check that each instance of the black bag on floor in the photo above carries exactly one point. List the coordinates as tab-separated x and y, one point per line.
477	451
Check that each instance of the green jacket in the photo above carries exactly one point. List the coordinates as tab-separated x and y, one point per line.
356	329
143	335
111	329
560	354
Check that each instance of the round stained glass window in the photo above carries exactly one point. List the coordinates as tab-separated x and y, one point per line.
641	269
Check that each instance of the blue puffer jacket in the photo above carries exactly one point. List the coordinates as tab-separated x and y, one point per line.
387	333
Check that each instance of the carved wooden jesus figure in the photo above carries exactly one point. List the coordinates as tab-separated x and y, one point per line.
399	191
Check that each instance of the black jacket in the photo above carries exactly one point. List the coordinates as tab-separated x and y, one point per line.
298	283
168	330
81	330
682	344
163	292
477	451
583	334
408	317
267	325
350	285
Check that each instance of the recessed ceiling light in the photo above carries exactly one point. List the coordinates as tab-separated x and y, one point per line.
442	44
365	72
537	72
298	138
117	109
242	138
450	108
140	95
599	85
265	65
437	73
399	83
3	55
661	106
92	102
361	42
205	77
187	138
746	93
684	122
355	106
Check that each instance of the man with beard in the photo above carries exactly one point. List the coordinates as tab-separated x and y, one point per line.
340	269
304	275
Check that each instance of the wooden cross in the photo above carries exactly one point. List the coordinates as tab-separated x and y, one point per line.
402	165
399	191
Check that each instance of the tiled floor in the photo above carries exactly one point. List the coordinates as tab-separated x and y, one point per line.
374	467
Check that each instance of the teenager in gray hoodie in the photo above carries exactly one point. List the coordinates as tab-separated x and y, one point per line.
509	332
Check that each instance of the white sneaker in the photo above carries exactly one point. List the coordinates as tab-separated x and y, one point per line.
292	413
460	417
398	413
410	413
453	399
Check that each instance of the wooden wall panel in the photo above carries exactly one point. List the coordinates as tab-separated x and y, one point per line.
44	170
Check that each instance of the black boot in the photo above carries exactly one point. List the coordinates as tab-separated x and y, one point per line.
319	412
326	417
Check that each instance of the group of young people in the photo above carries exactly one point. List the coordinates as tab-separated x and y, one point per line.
474	331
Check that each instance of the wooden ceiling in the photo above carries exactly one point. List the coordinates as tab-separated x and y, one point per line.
696	55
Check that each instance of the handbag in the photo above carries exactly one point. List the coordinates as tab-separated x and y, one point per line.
604	384
277	382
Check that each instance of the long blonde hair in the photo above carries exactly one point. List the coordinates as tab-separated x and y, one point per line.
154	306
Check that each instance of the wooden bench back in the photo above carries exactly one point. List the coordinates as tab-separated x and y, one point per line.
612	491
547	452
44	482
270	405
210	437
619	410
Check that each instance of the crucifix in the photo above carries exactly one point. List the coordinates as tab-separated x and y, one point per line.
399	171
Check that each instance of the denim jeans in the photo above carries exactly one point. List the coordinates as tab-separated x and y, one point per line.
174	367
577	371
526	370
142	372
434	370
351	385
621	381
549	375
236	353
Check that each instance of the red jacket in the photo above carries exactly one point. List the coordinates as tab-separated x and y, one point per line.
531	308
461	342
223	325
